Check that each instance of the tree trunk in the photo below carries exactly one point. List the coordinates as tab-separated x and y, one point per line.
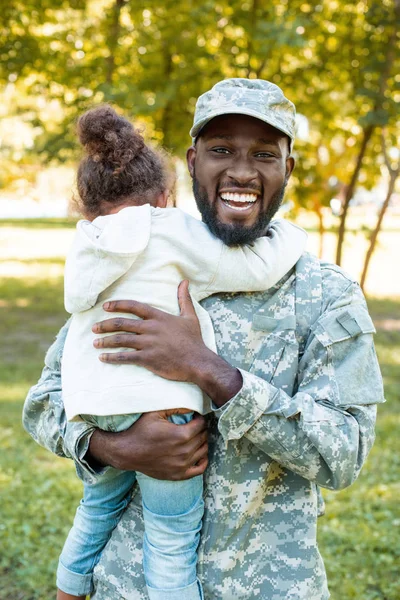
166	126
253	27
173	192
113	39
167	118
321	230
374	236
367	133
166	115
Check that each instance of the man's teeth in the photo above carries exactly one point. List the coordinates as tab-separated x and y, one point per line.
239	197
236	207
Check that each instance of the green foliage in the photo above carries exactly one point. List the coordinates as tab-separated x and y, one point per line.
153	60
337	60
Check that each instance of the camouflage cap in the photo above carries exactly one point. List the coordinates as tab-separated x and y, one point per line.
254	97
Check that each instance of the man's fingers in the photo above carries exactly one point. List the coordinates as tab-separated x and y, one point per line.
200	454
192	429
121	340
197	469
188	430
194	449
120	324
122	358
185	300
175	411
144	311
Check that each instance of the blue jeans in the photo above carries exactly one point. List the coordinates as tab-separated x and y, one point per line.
172	511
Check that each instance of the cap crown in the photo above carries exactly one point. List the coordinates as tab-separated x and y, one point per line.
253	97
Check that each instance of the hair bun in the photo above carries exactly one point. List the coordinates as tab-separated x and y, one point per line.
108	137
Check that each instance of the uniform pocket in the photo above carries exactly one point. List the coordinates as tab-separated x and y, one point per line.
274	350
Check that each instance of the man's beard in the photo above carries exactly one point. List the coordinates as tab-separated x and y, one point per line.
235	234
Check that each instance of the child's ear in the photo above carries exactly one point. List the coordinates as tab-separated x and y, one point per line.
162	199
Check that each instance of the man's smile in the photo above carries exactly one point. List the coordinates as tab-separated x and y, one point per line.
242	201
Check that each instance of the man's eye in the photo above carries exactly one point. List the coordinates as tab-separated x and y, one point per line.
264	155
220	150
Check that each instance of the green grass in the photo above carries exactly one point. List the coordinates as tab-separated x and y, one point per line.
359	535
45	223
37	490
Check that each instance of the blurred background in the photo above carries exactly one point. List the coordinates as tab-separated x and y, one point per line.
339	62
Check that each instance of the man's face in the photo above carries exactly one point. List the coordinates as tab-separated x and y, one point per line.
240	167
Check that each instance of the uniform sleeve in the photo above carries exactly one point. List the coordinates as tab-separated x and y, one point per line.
325	431
44	416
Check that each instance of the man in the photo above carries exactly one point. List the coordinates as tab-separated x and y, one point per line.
294	387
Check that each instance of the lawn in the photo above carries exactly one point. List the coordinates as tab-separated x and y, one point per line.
359	535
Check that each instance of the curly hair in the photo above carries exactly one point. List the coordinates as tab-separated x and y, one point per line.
118	167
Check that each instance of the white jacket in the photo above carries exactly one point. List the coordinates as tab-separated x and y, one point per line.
143	253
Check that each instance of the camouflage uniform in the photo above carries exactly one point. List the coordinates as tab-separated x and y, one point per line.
304	418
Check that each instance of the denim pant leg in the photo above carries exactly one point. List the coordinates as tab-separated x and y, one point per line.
173	512
97	515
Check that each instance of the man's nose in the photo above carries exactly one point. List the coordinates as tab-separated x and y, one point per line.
243	171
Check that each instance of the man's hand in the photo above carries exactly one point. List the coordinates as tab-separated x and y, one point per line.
155	446
170	346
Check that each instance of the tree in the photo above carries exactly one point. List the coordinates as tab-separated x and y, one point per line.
152	61
382	26
394	174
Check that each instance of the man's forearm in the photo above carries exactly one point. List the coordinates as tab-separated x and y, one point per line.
217	378
110	449
99	453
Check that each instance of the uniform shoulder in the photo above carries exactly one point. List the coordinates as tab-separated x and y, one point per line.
339	287
331	272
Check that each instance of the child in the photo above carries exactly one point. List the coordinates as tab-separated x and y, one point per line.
132	246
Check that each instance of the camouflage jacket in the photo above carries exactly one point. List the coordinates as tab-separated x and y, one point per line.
304	418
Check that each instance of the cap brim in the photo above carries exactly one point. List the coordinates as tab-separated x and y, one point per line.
194	132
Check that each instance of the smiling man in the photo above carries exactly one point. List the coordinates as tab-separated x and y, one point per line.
294	386
245	165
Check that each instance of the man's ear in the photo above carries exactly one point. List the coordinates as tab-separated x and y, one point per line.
190	159
290	163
